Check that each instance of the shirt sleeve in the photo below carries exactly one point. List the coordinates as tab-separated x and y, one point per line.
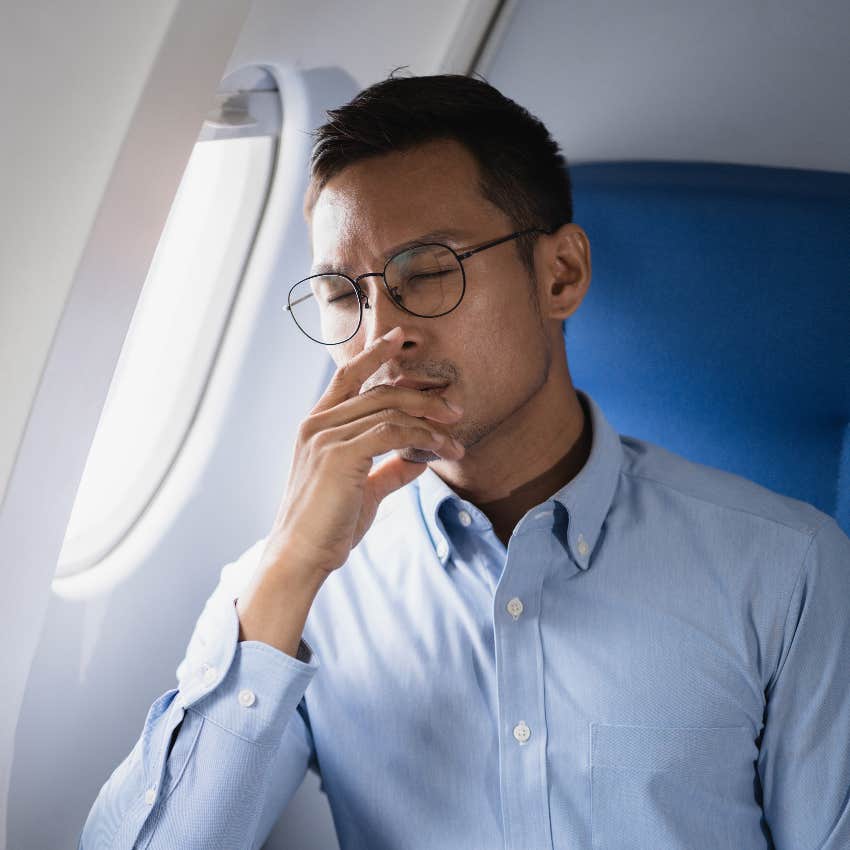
199	775
804	758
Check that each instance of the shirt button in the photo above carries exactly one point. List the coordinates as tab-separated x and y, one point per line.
583	548
150	795
521	732
442	549
514	607
246	698
464	517
209	675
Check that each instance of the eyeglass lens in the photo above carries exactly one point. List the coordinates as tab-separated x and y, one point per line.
426	280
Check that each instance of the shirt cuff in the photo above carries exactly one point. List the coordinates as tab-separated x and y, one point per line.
259	694
249	688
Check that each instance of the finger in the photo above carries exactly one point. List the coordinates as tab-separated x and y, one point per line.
386	435
392	475
350	377
394	430
383	397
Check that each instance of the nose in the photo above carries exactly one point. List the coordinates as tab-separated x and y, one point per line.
380	313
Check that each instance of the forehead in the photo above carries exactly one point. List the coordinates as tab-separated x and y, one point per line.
385	201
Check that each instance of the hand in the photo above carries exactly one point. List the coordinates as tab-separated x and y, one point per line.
333	492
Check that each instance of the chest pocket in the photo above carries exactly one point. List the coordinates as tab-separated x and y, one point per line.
673	788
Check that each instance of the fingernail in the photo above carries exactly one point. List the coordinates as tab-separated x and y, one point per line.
394	334
453	407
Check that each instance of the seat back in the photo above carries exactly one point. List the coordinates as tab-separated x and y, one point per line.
717	323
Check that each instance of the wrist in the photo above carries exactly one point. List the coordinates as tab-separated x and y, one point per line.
274	607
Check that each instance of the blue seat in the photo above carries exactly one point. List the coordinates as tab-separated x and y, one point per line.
717	323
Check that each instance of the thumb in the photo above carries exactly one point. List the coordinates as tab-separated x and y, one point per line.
392	474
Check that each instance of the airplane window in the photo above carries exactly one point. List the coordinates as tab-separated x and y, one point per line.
174	334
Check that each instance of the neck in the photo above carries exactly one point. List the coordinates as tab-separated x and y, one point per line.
528	458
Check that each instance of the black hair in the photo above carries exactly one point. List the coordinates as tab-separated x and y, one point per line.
523	172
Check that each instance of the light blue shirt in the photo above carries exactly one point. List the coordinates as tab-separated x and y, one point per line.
659	659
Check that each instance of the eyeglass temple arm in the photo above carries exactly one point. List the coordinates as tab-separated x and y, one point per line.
298	301
495	242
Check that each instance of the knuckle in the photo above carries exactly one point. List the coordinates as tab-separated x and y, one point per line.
306	429
341	377
319	440
315	432
386	415
386	429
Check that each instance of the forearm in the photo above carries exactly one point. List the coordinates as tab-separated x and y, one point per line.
274	607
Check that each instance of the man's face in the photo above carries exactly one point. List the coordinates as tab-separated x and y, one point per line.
493	350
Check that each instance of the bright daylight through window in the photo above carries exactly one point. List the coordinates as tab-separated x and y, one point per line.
172	341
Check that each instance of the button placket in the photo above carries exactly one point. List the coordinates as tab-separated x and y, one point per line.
521	710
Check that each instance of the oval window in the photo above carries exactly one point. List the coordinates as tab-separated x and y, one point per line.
179	320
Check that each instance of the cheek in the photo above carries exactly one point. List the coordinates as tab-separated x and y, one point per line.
483	314
341	354
505	324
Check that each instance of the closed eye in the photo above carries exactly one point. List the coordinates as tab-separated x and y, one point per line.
339	298
428	275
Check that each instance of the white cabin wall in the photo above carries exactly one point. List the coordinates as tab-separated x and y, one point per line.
367	40
88	88
754	82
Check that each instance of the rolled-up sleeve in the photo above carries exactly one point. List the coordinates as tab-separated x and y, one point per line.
804	759
199	774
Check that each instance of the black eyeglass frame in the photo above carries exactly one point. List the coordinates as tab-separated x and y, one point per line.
364	296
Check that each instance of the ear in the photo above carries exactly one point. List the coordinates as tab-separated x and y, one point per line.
563	259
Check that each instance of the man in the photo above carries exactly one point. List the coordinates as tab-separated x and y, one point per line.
520	629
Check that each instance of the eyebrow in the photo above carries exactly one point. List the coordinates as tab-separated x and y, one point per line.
445	235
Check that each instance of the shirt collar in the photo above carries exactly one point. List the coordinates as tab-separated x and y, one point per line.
586	498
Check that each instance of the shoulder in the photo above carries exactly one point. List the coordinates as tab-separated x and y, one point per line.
699	490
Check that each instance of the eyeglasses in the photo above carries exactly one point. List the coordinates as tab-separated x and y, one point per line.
426	280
